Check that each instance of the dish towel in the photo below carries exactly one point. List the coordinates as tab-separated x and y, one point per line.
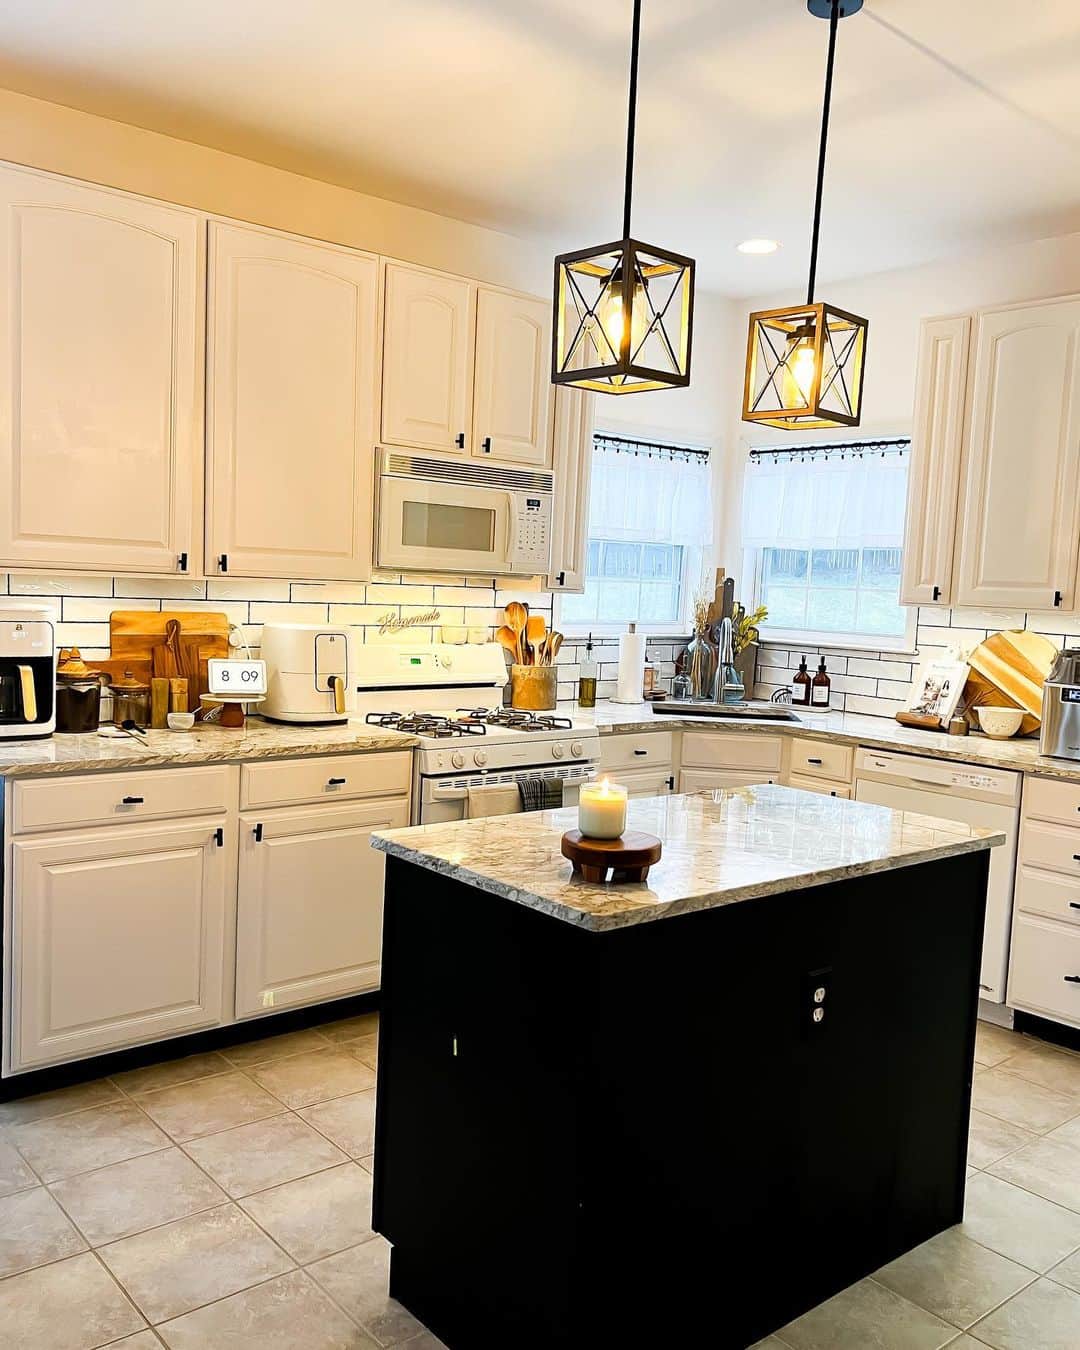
540	794
501	800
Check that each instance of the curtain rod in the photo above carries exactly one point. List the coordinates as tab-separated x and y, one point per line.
634	445
882	443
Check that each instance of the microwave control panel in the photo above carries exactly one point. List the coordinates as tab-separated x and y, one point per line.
532	530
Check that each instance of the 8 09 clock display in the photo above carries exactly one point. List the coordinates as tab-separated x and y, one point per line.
238	678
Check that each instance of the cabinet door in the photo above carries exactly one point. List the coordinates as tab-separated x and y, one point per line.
512	392
101	378
428	339
309	912
572	445
291	393
118	938
1020	520
655	783
937	444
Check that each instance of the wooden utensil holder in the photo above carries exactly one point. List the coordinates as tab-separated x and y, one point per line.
534	688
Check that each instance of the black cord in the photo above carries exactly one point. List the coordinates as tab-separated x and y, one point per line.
834	21
631	118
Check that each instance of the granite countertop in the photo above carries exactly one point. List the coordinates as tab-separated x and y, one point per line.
257	739
720	848
881	733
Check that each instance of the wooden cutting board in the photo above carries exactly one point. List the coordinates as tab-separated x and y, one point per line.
134	633
1008	670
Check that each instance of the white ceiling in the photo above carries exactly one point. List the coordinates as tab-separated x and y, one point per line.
956	122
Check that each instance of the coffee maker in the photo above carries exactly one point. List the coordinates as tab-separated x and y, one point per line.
27	672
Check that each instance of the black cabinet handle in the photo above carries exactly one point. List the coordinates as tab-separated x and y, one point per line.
485	445
1074	904
459	440
560	580
223	562
181	562
936	593
812	761
257	832
133	801
1072	979
1076	857
641	752
219	837
670	782
335	782
1057	599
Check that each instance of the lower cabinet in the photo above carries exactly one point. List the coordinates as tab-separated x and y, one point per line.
309	904
659	782
119	937
697	780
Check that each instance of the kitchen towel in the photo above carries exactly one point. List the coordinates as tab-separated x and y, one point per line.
498	800
540	794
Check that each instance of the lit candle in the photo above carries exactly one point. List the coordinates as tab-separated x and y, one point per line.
602	810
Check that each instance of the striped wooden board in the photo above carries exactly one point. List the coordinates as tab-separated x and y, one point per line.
1009	670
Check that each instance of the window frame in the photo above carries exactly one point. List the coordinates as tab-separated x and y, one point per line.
680	627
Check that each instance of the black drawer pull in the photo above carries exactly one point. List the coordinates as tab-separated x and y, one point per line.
812	761
1074	904
1076	857
335	782
641	752
1072	979
133	801
258	832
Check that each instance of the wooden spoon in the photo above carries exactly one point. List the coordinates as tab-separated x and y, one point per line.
507	638
554	642
517	620
536	628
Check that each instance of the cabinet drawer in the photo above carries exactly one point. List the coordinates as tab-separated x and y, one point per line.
1051	799
1047	893
121	798
289	782
1052	846
749	751
658	782
698	780
1044	970
821	759
635	751
822	785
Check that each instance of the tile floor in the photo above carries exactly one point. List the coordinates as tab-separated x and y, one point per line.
224	1200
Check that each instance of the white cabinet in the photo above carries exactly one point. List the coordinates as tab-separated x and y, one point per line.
1020	507
937	446
511	394
101	378
571	461
309	906
697	780
118	937
428	347
292	358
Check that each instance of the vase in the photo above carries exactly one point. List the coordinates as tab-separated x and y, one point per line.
701	666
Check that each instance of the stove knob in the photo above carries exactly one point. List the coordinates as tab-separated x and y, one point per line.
558	750
457	759
480	758
577	749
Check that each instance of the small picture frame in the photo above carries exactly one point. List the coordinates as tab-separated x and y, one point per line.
937	688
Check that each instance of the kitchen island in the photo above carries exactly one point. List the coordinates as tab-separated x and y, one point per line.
682	1111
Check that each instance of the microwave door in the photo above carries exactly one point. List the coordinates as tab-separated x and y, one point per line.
443	527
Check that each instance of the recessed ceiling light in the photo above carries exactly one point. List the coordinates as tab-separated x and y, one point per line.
758	246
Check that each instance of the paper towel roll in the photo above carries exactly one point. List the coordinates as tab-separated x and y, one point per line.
631	667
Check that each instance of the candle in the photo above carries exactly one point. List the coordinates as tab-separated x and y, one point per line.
602	810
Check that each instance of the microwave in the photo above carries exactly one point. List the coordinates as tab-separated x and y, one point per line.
447	515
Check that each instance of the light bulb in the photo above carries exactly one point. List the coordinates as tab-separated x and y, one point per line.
800	367
613	318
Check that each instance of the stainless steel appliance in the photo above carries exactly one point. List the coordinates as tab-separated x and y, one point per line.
1060	734
450	697
445	515
27	672
307	672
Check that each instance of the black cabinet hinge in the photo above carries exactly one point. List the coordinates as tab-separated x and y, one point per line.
257	832
219	837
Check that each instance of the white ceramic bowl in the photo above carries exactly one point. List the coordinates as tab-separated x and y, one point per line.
181	721
1000	723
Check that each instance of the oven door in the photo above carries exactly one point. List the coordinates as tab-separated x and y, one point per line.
441	799
444	527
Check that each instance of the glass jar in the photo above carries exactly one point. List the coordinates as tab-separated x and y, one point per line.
701	667
131	700
78	695
680	686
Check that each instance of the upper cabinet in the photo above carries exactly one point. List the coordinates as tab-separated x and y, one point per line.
572	441
101	378
466	368
937	445
428	342
291	406
1020	510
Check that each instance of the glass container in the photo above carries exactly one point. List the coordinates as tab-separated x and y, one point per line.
78	695
131	700
701	667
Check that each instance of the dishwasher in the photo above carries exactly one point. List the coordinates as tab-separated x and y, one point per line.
966	792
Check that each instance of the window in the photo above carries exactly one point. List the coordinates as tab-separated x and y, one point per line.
650	528
823	538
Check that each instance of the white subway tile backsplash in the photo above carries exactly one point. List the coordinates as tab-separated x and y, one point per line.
361	614
882	669
327	592
158	588
405	594
298	612
82	635
454	595
98	611
246	588
45	586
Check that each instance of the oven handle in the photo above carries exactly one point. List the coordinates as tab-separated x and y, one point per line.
449	794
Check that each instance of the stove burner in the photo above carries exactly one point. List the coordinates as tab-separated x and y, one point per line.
516	719
428	724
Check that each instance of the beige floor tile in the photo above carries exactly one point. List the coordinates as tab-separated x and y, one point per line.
70	1305
1068	1272
1069	1133
1047	1168
348	1122
1014	1099
867	1314
358	1280
34	1230
352	1028
303	1080
62	1146
770	1343
267	1153
429	1342
366	1048
289	1313
1046	1066
171	1073
966	1342
993	1043
59	1103
955	1278
368	1163
171	1270
131	1196
275	1047
317	1215
209	1105
990	1139
142	1340
15	1174
1019	1225
1044	1316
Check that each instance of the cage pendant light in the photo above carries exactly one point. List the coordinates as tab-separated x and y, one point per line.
624	311
804	363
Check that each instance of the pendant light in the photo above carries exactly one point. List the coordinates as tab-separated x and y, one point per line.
623	311
804	363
